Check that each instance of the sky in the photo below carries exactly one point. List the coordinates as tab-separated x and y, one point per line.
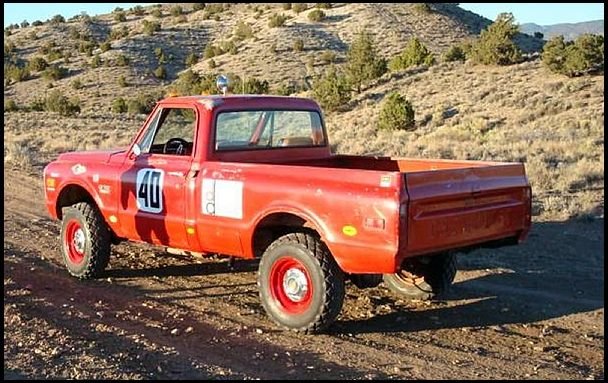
17	12
539	13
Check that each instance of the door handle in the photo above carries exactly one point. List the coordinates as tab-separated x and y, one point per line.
192	174
177	174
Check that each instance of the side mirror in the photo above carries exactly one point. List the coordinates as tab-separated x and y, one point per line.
136	150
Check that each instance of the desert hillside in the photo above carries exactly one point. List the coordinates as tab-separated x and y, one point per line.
521	112
260	51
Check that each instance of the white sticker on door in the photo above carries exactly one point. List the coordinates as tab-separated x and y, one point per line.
149	190
222	198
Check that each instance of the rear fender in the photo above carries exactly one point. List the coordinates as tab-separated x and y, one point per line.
312	221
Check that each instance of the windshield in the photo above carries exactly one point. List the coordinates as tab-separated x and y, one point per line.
264	129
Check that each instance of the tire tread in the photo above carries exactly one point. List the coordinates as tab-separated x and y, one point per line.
333	279
442	272
100	241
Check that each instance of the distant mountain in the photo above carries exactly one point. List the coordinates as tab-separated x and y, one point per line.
570	30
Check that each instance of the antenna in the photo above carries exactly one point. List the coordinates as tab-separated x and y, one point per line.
222	83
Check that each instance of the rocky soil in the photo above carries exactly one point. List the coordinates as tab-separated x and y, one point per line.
534	311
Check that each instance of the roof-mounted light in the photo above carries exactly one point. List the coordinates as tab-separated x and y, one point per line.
222	83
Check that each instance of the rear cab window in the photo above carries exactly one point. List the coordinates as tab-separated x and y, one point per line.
268	129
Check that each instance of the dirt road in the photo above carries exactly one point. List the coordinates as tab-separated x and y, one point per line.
534	311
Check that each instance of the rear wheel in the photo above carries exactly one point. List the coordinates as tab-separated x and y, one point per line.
423	278
301	286
85	241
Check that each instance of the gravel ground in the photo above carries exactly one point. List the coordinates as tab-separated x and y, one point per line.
534	311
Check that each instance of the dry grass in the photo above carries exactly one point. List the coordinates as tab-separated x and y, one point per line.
49	134
19	153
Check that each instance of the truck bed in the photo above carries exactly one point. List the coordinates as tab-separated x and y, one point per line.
443	204
453	203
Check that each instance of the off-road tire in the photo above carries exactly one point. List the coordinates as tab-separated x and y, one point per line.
423	281
95	255
311	258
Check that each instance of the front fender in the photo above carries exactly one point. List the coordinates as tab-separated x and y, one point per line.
59	180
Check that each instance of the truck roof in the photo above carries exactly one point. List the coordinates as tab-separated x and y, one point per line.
246	101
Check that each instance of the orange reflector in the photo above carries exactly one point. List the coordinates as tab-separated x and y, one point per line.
50	182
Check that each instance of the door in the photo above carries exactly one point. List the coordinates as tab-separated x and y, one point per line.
153	184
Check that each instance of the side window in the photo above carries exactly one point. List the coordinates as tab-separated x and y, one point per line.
171	132
146	139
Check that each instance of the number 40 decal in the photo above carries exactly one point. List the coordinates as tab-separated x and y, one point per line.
149	189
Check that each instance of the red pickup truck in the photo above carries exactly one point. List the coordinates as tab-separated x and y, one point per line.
254	177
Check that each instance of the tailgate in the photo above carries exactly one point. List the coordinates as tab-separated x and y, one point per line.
452	208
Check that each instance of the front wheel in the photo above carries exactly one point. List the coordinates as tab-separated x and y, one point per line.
301	286
423	278
85	241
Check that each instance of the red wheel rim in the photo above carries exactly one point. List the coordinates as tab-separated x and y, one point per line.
290	285
74	241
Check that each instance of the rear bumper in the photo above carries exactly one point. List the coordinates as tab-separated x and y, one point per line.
494	243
